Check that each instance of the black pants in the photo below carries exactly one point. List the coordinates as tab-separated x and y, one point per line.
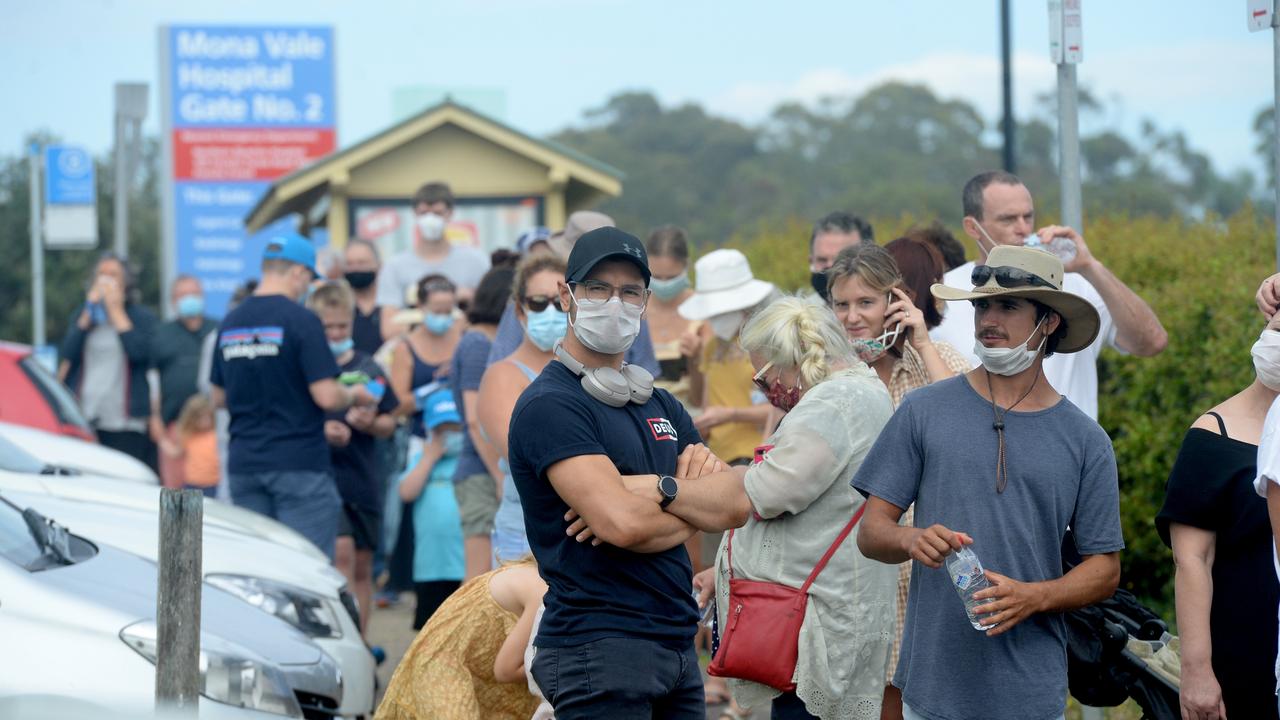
788	706
400	561
133	444
431	595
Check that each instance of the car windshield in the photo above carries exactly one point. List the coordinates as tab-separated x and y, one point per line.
55	393
15	459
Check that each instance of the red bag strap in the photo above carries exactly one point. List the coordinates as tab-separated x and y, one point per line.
848	528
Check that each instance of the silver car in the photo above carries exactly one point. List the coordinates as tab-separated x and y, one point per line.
78	622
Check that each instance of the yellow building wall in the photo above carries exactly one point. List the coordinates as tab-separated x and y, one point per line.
471	165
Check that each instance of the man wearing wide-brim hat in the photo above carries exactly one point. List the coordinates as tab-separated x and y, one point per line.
998	460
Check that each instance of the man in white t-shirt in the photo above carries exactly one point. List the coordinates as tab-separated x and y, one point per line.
998	210
431	251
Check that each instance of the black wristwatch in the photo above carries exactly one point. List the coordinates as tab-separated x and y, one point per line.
668	488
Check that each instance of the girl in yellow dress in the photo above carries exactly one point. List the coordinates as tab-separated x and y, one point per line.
467	663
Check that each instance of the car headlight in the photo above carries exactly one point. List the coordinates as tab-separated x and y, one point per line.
229	673
306	611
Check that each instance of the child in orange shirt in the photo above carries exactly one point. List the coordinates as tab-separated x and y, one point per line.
199	445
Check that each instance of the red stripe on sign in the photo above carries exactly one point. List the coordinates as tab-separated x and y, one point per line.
246	153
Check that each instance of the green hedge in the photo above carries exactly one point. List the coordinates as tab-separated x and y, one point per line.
1200	277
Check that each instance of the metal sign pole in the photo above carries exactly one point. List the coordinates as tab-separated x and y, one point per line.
1275	115
37	250
1069	148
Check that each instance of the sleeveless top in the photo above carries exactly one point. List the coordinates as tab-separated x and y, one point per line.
423	373
509	539
448	670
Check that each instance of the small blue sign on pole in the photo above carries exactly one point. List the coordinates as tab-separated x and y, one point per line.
68	176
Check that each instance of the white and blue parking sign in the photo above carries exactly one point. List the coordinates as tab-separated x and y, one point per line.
68	178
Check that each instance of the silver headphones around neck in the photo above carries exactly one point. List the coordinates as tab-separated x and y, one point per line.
614	388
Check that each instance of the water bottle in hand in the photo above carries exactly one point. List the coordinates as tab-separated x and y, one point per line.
1063	247
968	578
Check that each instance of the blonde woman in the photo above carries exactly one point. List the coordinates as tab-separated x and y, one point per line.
790	506
887	310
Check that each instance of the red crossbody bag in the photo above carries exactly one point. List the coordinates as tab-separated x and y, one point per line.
761	638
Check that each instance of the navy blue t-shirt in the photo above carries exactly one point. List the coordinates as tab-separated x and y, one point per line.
599	592
270	350
355	465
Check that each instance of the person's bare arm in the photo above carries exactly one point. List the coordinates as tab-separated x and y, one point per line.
500	388
330	395
1193	553
592	486
1012	601
508	666
416	478
217	396
1138	330
402	379
880	537
712	503
488	456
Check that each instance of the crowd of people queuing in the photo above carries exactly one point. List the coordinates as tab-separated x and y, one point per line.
588	467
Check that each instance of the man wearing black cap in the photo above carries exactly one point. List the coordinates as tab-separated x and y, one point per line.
617	637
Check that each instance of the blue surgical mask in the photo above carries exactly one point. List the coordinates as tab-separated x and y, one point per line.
438	324
341	347
670	288
190	306
546	327
452	443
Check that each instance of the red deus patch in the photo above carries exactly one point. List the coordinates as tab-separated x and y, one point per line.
662	429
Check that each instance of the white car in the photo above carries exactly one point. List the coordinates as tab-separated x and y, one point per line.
79	455
78	622
242	554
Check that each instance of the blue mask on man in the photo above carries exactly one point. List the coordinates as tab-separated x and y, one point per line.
190	306
452	443
341	347
546	327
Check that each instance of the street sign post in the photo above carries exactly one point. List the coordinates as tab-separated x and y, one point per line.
241	106
1263	16
70	198
1066	47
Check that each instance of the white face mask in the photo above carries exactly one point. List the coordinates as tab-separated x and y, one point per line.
1011	360
726	325
431	226
1266	358
609	327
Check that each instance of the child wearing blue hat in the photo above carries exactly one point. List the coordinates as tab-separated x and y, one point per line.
438	564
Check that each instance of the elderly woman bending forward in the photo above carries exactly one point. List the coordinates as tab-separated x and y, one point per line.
791	505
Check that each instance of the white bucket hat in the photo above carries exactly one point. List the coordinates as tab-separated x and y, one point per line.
724	284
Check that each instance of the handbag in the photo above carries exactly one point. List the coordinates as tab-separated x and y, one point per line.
761	638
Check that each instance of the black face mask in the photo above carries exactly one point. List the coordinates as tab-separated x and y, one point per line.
818	279
361	280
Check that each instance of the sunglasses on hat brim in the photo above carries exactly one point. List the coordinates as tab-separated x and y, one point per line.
1008	277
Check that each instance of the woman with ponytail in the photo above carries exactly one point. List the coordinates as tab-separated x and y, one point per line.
790	506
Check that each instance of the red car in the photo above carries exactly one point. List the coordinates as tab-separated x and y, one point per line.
30	395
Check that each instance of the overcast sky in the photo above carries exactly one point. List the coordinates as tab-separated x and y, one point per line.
1189	64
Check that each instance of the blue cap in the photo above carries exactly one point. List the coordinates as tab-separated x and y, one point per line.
439	408
529	237
292	247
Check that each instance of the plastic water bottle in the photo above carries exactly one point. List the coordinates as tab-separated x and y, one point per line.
968	578
1063	247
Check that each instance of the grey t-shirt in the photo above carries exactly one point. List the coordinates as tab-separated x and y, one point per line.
464	266
939	451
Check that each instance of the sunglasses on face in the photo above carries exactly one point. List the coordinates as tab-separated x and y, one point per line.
1008	277
758	378
538	303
